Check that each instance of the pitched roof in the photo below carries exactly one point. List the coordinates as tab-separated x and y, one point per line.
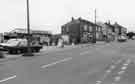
78	21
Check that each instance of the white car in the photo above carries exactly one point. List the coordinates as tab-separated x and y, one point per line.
133	38
122	38
17	46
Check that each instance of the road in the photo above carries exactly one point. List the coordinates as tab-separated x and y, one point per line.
111	63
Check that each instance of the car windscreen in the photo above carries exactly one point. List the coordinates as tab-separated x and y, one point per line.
12	42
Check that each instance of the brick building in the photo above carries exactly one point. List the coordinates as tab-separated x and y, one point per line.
119	30
80	30
108	31
1	37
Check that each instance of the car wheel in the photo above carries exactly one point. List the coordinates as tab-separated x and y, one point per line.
10	52
37	50
18	51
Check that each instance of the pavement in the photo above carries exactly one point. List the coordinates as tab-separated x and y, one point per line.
103	63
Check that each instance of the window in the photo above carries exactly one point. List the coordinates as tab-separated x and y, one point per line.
62	29
85	28
100	29
96	28
90	28
67	29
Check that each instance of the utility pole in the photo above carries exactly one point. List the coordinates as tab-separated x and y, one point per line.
94	29
29	52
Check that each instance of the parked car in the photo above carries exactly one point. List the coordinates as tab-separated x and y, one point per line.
10	42
133	38
122	38
17	46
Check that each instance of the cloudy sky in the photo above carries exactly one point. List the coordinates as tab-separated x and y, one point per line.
51	14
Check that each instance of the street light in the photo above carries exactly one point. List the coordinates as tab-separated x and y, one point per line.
94	30
29	52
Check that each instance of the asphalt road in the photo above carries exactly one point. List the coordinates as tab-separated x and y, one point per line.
111	63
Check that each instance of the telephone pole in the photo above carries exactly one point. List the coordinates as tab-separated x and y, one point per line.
94	28
29	52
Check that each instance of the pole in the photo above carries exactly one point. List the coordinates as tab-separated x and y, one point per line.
94	29
28	53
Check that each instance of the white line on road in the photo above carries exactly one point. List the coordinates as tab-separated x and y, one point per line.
108	71
124	67
121	72
83	53
125	64
98	82
117	78
54	63
6	79
112	67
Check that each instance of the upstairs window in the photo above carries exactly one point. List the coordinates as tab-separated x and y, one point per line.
63	30
90	28
85	28
67	29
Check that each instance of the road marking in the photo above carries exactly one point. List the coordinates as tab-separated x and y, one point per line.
125	64
6	79
83	53
117	78
124	67
54	63
108	71
98	82
121	72
112	67
104	77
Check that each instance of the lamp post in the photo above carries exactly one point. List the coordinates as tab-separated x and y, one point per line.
94	30
29	52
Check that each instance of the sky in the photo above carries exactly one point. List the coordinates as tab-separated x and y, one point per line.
50	15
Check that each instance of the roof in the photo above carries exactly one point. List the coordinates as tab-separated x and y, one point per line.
21	30
116	24
79	20
108	24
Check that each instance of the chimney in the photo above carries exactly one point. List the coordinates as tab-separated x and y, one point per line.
79	18
115	23
109	22
72	18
